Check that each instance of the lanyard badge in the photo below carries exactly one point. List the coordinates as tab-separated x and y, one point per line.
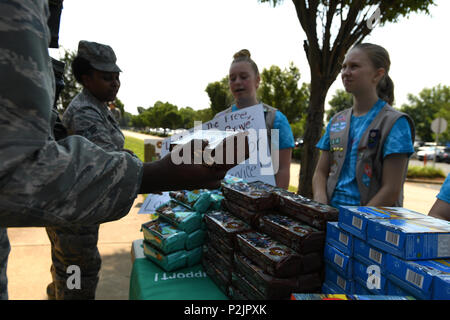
374	136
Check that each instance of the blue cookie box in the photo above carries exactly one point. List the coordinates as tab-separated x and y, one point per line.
361	275
414	239
354	219
341	262
368	254
422	278
337	282
339	238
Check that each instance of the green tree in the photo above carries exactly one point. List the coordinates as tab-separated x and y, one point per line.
219	95
298	128
140	109
279	88
126	120
427	106
139	121
71	86
332	27
204	115
341	100
188	116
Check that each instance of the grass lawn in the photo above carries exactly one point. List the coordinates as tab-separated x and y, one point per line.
135	145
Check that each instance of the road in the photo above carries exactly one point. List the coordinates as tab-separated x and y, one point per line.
140	135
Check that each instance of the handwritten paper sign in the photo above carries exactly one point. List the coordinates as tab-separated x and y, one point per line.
259	165
152	202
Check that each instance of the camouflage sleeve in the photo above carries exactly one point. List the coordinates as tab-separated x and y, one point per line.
44	182
87	122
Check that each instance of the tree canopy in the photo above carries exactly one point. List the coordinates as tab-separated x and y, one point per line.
340	101
428	105
332	27
219	95
279	88
71	86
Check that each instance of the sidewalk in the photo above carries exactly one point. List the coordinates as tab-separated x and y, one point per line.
29	261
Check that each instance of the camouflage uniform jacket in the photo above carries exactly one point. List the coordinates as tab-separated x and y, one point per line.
44	182
92	119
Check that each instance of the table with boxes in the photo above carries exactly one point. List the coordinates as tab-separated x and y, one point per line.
253	240
258	242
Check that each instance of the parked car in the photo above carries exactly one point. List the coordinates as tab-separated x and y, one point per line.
444	155
298	142
429	152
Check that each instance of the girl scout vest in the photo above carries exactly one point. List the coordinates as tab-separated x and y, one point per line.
369	154
269	116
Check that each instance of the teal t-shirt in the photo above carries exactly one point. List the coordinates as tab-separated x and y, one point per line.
444	193
399	140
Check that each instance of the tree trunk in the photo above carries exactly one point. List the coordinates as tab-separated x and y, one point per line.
313	132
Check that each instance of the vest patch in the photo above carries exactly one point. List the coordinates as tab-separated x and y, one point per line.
335	141
338	126
374	137
367	175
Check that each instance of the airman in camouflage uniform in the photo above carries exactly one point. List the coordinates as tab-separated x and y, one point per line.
68	183
116	112
71	182
91	118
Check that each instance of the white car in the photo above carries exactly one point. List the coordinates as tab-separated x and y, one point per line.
429	152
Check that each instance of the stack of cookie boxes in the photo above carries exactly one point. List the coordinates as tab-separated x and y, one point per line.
265	242
387	251
174	240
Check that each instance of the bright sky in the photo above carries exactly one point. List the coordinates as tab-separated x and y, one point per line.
170	50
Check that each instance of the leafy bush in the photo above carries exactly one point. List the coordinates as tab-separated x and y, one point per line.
154	133
425	172
297	153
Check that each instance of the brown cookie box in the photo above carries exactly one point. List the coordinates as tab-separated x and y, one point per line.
240	282
236	294
219	260
272	256
273	288
225	225
253	196
300	206
248	216
292	233
317	223
215	240
216	275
